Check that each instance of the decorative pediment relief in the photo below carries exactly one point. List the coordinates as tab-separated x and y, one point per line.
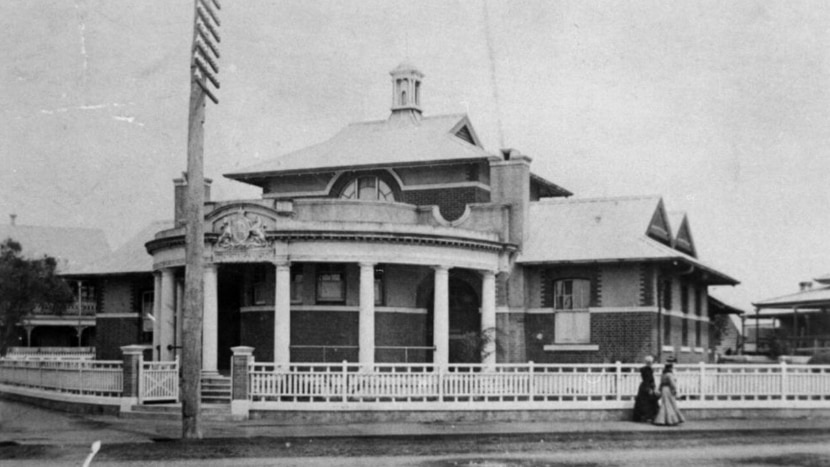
242	228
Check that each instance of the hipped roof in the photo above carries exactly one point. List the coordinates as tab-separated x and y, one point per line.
377	143
604	230
129	258
814	297
71	247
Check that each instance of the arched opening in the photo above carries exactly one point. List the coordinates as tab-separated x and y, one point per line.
371	186
465	315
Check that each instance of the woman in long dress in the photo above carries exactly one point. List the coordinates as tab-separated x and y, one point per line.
645	405
668	414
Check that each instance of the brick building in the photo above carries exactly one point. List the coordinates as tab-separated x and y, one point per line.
404	240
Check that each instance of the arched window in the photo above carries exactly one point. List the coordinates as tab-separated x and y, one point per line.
368	188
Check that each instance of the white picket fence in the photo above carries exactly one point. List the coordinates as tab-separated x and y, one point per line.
51	353
82	377
527	386
158	381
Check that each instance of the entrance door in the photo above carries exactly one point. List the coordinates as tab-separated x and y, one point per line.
229	302
465	323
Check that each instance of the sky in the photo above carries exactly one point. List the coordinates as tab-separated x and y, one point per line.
722	108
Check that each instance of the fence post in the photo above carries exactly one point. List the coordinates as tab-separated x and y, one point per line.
131	374
344	384
531	380
240	363
618	380
702	380
784	380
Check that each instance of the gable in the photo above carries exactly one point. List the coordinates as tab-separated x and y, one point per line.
683	239
465	134
658	228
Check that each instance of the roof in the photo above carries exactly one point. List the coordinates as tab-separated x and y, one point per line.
825	279
682	239
719	307
377	143
131	257
816	296
72	247
603	230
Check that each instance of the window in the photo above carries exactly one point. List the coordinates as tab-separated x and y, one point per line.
296	283
258	287
699	302
684	338
684	298
331	284
698	326
666	330
379	285
571	294
368	188
147	298
571	298
665	289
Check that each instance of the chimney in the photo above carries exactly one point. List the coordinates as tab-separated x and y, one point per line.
12	219
180	197
806	285
510	184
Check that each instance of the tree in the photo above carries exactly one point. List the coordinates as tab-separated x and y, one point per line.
26	284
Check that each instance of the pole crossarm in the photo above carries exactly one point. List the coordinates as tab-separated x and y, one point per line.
205	49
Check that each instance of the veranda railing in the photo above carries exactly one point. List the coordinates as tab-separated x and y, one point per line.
86	353
83	377
529	385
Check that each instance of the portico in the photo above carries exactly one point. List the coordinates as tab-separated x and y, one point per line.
389	293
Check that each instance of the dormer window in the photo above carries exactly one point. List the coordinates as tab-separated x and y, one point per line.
368	188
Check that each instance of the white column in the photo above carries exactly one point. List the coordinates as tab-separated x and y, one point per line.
167	327
366	319
210	320
441	317
282	315
156	315
488	317
177	340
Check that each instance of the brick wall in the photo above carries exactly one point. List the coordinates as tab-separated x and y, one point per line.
647	292
539	331
450	201
624	337
256	329
112	334
402	329
510	338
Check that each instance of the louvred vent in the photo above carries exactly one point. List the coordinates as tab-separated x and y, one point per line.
464	133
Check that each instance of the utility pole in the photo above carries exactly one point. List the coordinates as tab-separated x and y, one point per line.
203	71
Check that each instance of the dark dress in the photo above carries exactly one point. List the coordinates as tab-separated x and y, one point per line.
645	404
668	414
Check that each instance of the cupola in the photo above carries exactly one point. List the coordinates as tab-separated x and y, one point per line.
406	91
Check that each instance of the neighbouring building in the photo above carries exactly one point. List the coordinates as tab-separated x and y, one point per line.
797	323
73	248
404	240
120	288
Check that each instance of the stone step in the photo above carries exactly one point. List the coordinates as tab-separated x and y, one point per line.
216	390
